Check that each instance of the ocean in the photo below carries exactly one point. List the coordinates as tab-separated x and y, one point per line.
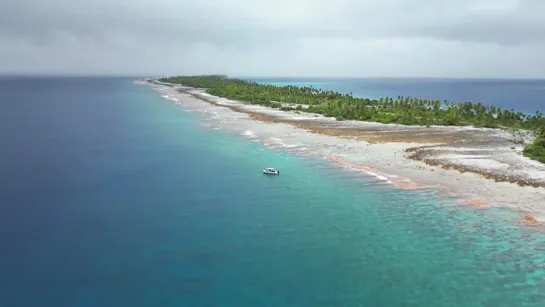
114	196
526	96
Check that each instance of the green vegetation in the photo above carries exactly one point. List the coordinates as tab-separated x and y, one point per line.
536	150
400	110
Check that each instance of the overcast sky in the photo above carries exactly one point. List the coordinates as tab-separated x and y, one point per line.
391	38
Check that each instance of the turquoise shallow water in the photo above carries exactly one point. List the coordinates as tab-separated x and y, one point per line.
149	209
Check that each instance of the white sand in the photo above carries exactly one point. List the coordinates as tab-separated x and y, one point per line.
387	160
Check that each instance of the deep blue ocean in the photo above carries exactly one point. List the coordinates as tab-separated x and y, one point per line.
113	196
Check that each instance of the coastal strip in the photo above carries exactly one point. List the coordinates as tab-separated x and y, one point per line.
490	153
459	159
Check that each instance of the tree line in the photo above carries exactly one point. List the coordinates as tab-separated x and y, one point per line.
399	110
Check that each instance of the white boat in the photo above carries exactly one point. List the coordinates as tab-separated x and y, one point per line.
271	171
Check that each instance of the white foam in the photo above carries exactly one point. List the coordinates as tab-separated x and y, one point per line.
290	145
380	177
248	133
171	98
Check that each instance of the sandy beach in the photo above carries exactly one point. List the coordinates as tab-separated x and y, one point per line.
480	167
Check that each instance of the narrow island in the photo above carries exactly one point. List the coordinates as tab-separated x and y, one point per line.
400	110
483	155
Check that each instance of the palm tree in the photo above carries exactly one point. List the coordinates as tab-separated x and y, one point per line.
540	132
421	111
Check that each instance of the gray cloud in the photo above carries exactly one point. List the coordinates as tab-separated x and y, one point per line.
463	38
505	22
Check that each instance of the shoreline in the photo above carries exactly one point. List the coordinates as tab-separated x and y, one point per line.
476	165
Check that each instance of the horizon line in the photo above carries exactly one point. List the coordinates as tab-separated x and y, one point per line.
152	76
